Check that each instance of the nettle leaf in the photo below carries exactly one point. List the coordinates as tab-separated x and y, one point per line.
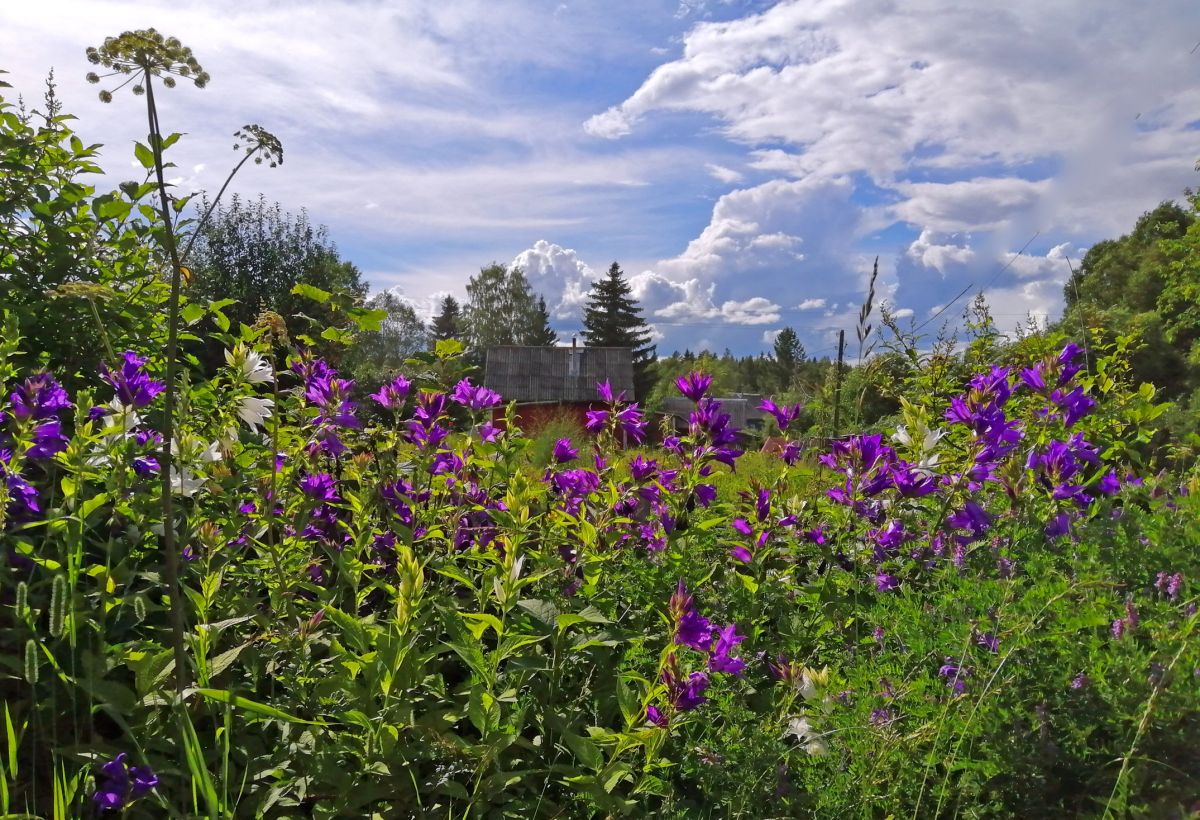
337	334
587	752
478	623
311	292
223	661
191	313
144	155
367	320
544	611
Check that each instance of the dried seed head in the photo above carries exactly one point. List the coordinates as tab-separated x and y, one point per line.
148	53
274	325
259	141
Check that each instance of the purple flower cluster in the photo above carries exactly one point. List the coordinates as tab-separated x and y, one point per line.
1060	468
626	419
33	410
785	415
684	693
134	387
331	396
474	397
1050	379
981	409
955	675
759	524
564	451
23	504
697	632
118	784
392	395
35	405
38	398
1169	585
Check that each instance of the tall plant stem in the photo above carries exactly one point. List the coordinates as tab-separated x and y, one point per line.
212	205
170	549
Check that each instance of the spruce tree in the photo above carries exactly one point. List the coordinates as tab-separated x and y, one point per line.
541	334
789	355
612	318
448	323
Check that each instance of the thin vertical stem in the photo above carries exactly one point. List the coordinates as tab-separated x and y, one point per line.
170	549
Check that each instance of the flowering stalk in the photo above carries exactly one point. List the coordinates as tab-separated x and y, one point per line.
144	55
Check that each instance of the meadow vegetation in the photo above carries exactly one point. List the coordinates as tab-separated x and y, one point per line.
235	584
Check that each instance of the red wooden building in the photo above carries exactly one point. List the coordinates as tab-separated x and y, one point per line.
547	382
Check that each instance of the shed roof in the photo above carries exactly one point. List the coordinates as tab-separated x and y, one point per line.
557	374
742	409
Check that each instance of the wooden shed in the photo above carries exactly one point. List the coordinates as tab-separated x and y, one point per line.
742	409
547	381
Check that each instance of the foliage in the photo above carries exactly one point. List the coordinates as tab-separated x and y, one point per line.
541	334
501	309
376	356
80	272
612	318
448	322
256	253
789	354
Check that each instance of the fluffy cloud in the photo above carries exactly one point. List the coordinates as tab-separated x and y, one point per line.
933	252
558	274
973	127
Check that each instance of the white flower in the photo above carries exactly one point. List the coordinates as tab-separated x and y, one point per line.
121	419
807	686
800	727
183	480
252	366
254	411
814	742
817	747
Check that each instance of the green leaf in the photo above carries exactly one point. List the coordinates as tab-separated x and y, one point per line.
223	696
480	621
223	661
337	334
312	292
191	313
587	752
367	320
748	582
144	155
544	611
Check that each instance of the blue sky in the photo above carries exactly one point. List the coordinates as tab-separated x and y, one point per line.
743	161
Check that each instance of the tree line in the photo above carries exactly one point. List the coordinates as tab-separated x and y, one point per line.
1145	283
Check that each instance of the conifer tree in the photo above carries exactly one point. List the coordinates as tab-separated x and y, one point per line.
541	334
448	323
612	318
789	355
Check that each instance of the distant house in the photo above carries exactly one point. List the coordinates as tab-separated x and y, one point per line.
742	409
547	382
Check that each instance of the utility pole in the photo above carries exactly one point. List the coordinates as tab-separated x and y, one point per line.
837	383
